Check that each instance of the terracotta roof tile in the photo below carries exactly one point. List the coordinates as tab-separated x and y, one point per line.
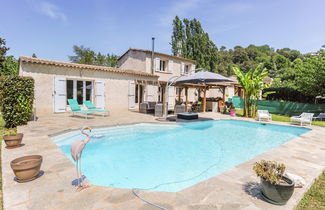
83	66
157	53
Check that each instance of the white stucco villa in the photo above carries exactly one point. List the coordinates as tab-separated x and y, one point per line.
164	66
137	79
55	82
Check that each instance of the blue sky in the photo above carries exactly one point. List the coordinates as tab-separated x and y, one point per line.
50	28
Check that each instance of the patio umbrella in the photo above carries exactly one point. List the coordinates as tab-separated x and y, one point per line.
203	77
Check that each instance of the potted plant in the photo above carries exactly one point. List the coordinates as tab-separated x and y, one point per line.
12	138
232	110
276	188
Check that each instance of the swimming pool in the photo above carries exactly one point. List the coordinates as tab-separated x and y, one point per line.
172	157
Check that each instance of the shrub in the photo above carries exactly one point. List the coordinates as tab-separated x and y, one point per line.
16	99
287	94
270	170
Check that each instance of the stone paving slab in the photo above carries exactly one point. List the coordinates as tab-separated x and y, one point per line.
236	188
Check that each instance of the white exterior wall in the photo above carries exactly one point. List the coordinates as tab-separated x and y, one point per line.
133	60
141	61
116	85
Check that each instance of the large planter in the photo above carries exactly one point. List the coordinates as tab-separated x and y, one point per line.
13	141
26	168
277	194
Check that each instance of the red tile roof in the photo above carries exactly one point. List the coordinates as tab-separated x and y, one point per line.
82	66
157	53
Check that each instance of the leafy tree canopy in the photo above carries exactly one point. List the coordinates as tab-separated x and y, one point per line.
8	64
87	56
190	41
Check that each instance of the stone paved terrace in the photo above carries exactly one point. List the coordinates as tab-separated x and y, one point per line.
236	188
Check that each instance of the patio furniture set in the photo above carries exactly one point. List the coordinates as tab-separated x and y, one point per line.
91	109
304	118
157	108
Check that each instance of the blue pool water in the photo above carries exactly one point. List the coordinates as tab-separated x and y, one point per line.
173	157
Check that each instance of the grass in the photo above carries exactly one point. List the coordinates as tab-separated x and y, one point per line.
314	198
282	118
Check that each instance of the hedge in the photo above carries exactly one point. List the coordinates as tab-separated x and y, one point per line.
16	99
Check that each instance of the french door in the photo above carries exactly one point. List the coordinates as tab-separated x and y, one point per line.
80	90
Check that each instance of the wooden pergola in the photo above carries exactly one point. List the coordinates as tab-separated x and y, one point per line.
203	86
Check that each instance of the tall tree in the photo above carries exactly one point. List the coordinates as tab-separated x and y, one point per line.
310	75
3	51
9	66
178	38
190	39
87	56
288	53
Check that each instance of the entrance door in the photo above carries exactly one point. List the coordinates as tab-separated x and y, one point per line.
161	95
59	94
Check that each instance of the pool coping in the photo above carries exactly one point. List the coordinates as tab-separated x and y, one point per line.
211	191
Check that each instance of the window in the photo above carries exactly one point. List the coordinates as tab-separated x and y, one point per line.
79	90
186	69
161	94
69	89
89	88
136	94
162	66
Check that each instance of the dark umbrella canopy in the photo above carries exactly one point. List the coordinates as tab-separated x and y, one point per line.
203	77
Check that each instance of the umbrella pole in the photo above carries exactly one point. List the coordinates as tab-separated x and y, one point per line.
186	94
205	99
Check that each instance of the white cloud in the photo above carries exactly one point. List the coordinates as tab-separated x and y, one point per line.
52	11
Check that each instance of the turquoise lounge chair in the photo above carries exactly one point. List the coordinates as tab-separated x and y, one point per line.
90	106
76	108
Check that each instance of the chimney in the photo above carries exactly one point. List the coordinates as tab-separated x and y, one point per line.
152	55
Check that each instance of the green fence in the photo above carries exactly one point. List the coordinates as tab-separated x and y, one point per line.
283	108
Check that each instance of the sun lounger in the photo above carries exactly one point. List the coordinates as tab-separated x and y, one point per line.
263	114
90	106
321	117
303	118
75	108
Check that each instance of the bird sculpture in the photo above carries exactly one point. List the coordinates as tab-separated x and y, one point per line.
76	152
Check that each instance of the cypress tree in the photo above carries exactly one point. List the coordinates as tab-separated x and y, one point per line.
195	43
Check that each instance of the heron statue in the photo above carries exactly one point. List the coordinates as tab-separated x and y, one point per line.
76	152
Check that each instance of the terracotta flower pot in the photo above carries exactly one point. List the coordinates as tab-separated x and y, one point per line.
13	141
26	168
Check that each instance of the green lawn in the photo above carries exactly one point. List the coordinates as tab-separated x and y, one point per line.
282	118
314	198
